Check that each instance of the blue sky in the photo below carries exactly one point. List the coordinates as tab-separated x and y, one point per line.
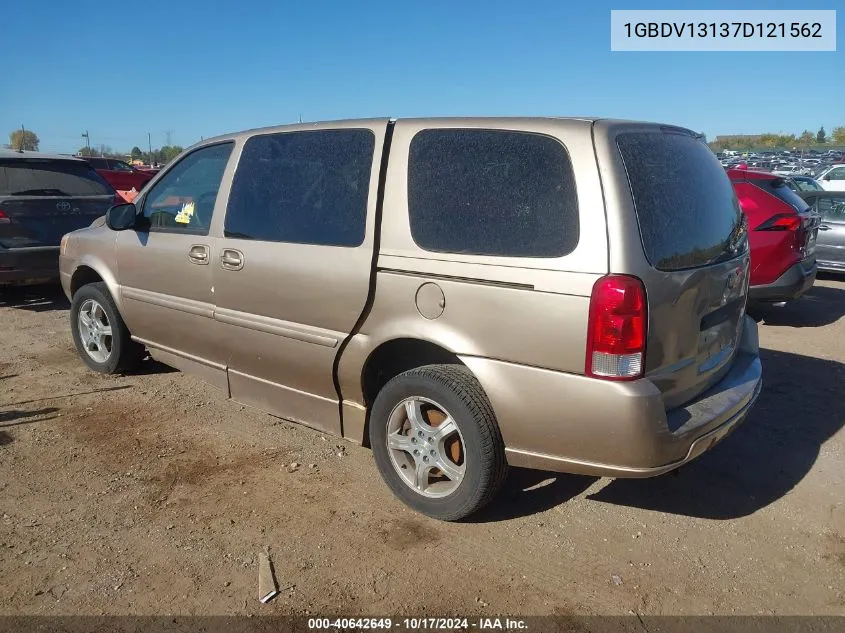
199	68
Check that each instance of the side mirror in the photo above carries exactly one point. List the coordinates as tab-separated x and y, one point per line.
121	217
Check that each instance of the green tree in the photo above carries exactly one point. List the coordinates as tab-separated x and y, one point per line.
807	138
86	151
136	153
169	152
25	140
838	135
821	136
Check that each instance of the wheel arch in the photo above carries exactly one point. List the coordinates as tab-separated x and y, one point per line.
392	357
90	270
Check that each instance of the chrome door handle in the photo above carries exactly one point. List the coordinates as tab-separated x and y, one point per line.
198	254
231	259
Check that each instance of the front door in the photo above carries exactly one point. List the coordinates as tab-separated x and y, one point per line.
165	268
292	272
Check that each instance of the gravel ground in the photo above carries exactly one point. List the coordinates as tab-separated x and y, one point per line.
152	494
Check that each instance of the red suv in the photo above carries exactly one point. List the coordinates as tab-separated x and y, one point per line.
781	232
119	174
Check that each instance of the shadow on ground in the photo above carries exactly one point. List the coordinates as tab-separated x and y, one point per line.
149	367
41	298
8	418
528	492
70	395
800	408
822	305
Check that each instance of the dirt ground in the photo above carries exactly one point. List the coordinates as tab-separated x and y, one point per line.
152	494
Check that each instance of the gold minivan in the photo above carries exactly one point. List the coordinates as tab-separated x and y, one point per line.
458	294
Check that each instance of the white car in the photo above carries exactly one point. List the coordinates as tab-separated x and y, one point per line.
833	179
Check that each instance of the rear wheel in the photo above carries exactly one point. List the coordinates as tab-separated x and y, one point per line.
436	442
101	337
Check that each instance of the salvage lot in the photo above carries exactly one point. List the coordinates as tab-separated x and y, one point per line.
150	493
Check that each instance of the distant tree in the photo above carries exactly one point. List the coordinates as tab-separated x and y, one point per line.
838	135
821	136
169	152
807	138
136	153
26	140
86	151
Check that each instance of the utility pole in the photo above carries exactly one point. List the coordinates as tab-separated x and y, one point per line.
150	145
23	133
87	138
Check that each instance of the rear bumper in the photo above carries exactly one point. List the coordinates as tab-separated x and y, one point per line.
23	265
570	423
797	280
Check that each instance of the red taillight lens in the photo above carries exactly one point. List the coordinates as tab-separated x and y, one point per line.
4	219
616	332
781	222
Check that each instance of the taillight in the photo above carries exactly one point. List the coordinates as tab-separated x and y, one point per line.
781	222
4	219
616	332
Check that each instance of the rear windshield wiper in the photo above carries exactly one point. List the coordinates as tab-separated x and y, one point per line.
40	192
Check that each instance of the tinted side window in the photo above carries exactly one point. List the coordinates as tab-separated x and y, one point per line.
491	192
685	204
51	178
302	187
183	200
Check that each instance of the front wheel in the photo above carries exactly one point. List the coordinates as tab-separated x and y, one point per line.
436	442
101	337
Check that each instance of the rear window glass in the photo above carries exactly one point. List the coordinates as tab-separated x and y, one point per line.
491	192
50	178
686	207
778	188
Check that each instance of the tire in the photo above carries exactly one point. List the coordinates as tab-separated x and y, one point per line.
481	468
114	354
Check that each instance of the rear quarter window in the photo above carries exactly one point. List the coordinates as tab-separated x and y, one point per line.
686	208
491	192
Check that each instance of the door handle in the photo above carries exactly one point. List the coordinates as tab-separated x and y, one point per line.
198	254
231	259
824	227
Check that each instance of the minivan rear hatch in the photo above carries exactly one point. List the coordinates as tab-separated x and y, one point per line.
42	199
693	236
